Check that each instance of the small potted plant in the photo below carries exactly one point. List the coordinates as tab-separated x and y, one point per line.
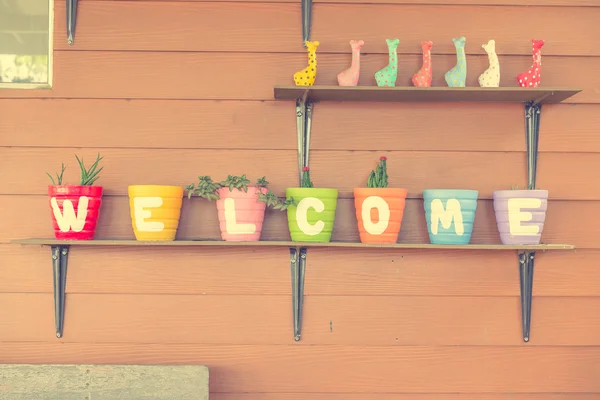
520	215
379	209
75	208
241	208
312	216
450	215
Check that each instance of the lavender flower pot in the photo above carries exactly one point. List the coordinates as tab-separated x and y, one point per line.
520	215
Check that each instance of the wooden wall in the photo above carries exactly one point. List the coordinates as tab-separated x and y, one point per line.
169	90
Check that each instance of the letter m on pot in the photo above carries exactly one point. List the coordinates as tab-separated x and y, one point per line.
446	216
67	219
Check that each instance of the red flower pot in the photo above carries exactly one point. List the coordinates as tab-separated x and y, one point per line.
75	210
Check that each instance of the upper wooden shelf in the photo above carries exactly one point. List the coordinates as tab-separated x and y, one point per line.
125	242
431	94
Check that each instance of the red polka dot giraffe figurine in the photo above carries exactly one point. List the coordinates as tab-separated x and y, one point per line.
423	77
349	77
531	77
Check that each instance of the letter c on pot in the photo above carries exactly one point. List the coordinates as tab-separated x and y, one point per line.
302	215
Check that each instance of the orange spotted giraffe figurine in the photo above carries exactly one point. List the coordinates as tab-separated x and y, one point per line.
349	77
307	76
423	77
531	77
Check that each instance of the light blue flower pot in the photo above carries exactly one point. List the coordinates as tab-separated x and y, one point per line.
450	214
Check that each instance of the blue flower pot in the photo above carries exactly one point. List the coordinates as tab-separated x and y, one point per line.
450	214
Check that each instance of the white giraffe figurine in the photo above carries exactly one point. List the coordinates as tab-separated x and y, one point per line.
491	76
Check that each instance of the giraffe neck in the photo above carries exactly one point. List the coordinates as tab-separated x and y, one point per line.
426	58
537	57
393	56
493	57
312	57
355	58
460	56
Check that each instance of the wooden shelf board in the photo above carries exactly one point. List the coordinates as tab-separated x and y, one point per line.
431	94
108	242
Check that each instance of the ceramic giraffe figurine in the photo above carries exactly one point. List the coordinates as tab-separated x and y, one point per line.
307	76
387	76
423	77
491	76
457	76
349	77
531	77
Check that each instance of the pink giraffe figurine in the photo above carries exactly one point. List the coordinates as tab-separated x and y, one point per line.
349	77
531	77
423	77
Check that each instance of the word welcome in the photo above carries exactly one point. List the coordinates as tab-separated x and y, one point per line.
450	215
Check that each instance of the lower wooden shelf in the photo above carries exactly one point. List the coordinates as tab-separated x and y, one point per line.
271	243
298	253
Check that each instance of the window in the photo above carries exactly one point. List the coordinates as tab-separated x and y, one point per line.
26	30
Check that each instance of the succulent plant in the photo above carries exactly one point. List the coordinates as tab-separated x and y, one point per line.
87	176
306	182
207	189
528	187
379	177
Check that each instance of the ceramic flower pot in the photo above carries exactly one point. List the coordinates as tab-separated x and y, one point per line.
75	210
520	215
155	211
312	219
379	212
241	214
450	214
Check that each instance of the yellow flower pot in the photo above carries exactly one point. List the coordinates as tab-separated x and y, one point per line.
155	211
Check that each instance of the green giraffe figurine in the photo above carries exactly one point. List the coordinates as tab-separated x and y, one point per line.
457	76
387	76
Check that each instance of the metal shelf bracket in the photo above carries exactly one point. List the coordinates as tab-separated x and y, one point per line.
526	260
71	21
298	269
59	273
304	110
533	111
306	20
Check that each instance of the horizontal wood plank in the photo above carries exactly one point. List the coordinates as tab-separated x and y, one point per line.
179	124
335	320
567	221
150	124
405	396
211	271
564	175
103	382
349	369
555	3
114	74
268	27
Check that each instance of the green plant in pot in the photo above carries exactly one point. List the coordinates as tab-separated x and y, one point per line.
520	214
311	218
75	208
379	208
240	206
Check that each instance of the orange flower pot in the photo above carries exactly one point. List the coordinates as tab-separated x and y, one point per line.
379	212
